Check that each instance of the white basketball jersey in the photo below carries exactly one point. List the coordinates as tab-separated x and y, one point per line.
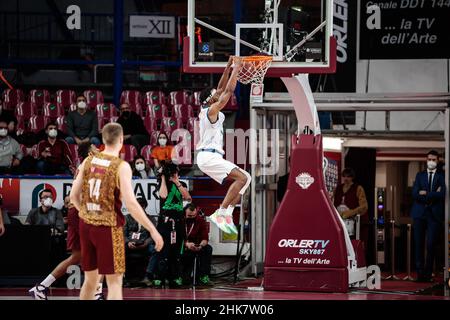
211	134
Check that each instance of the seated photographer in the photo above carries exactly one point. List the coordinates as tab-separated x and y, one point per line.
46	214
172	192
137	238
196	244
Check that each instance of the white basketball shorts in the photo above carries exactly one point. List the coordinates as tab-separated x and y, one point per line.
214	165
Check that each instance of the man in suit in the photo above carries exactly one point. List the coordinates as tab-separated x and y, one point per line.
428	214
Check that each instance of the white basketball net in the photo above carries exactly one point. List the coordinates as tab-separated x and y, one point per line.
254	69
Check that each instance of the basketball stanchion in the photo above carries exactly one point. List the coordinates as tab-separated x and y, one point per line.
408	254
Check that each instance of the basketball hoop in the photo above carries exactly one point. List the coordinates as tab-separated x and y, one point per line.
254	69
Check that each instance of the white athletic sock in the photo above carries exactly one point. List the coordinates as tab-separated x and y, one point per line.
229	211
48	281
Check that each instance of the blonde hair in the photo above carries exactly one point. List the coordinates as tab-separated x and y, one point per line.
111	133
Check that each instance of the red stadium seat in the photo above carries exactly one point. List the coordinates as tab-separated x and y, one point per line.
21	126
179	97
136	107
131	97
64	98
39	97
169	124
113	119
75	156
106	110
196	109
154	138
37	123
196	98
183	112
146	153
34	151
93	97
154	97
11	97
157	111
61	122
130	152
26	110
150	124
190	126
51	110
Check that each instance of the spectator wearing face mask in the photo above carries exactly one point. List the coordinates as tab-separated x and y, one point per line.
10	119
82	124
55	156
10	153
163	151
46	214
134	130
140	170
428	215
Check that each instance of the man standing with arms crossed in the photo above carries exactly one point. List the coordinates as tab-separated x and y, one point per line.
104	180
210	147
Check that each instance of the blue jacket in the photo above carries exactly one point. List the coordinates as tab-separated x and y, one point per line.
433	201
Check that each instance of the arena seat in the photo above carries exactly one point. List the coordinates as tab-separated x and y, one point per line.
130	152
21	127
131	97
169	124
75	156
196	109
11	97
183	112
39	97
157	111
154	97
146	153
64	98
196	98
179	97
61	122
106	110
150	123
154	138
51	110
37	123
26	110
93	97
136	107
190	125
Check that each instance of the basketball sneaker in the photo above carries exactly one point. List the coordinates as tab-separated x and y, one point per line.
39	292
230	224
220	221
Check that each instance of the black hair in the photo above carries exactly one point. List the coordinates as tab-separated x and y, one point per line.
433	153
83	149
45	190
170	169
51	123
191	206
348	172
204	94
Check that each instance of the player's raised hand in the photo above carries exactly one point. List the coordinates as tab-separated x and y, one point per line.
230	61
159	242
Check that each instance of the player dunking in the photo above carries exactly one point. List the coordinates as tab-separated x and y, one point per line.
210	146
103	182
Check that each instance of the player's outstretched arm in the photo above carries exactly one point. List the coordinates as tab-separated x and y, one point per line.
225	76
75	192
134	208
226	94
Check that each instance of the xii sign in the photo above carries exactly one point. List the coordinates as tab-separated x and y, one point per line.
152	26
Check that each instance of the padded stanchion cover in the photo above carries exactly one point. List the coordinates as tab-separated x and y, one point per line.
306	248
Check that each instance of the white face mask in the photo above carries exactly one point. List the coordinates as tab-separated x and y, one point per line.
47	202
81	105
3	132
431	165
52	133
162	142
140	166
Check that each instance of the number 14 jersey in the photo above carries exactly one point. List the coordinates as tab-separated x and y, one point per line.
100	197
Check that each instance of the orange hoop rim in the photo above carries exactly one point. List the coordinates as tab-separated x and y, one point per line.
256	58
